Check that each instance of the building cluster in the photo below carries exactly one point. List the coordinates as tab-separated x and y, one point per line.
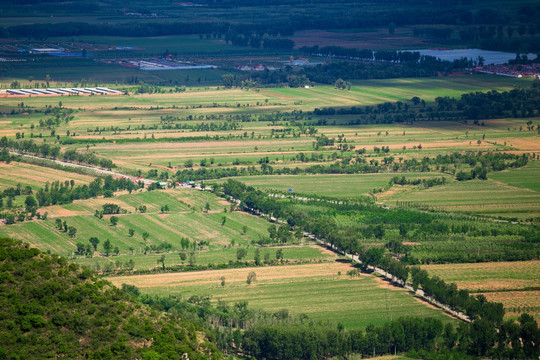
156	64
63	91
256	67
518	71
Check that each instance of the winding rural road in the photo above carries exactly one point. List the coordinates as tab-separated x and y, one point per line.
420	293
407	285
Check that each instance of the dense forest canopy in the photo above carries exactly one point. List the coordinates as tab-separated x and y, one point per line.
51	308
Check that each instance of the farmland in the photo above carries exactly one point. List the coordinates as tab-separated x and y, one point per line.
362	300
365	92
132	132
339	186
185	219
291	254
515	284
492	198
35	176
250	208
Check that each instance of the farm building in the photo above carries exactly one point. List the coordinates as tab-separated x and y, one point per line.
45	50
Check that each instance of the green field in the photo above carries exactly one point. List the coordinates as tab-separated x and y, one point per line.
476	197
316	290
181	221
366	92
341	186
162	229
187	218
526	177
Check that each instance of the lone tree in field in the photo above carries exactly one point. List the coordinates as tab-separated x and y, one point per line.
161	261
72	231
192	258
94	241
240	254
251	277
222	280
31	204
223	220
114	220
107	247
183	257
207	207
130	265
131	232
342	84
227	80
145	236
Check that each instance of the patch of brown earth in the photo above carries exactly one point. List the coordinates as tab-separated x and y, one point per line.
273	94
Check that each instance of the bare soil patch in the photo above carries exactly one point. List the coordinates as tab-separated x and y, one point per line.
383	284
526	144
323	249
273	94
59	211
423	302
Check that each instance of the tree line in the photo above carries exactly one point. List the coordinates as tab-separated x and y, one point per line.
53	152
480	164
487	316
517	103
378	223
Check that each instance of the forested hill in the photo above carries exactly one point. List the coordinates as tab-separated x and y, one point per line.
50	308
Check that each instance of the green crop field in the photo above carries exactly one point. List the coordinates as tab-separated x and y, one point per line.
341	186
477	197
186	218
526	177
317	290
168	228
366	92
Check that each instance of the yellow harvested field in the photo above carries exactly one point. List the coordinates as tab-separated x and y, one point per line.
36	176
518	302
490	275
515	284
273	273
